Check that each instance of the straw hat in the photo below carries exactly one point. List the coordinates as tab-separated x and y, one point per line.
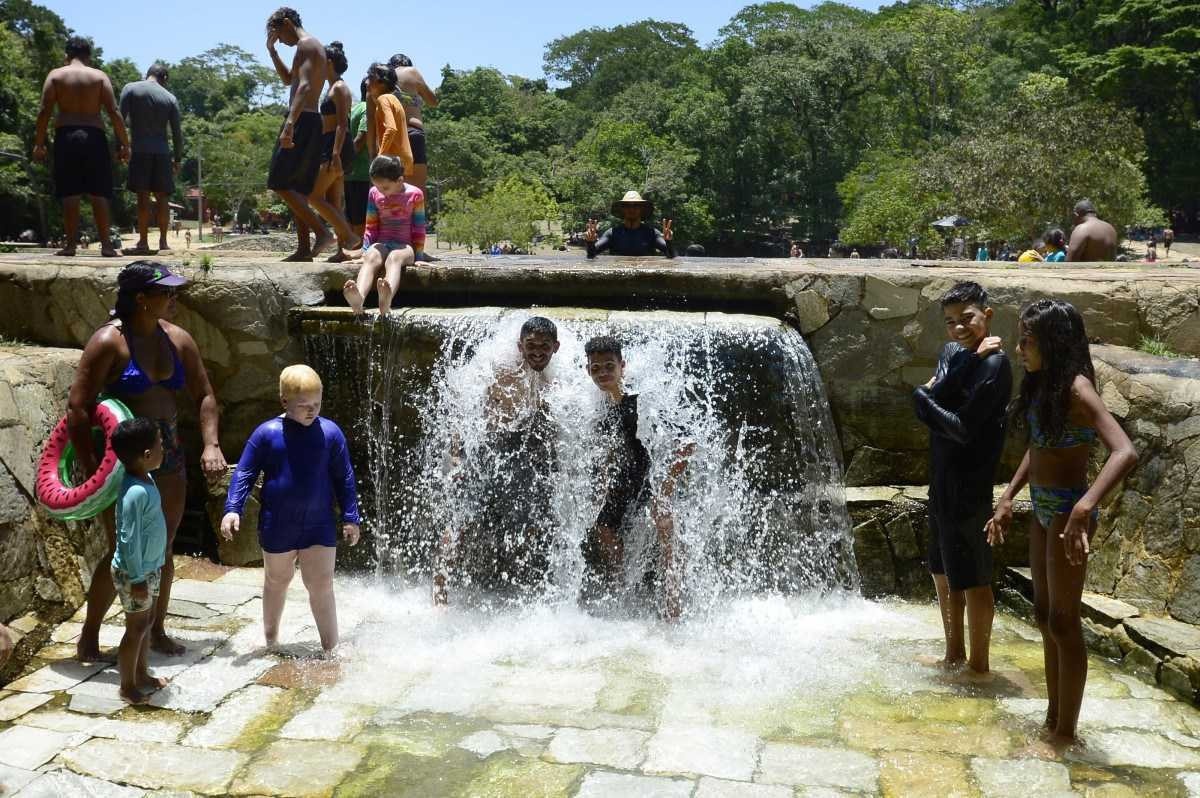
633	198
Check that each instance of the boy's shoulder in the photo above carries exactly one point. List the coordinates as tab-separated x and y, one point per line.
135	490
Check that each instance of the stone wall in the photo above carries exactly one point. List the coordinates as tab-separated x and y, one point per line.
1147	546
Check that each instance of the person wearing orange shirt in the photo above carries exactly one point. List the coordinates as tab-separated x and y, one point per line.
388	125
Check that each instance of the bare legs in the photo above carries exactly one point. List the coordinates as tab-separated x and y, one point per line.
100	595
326	199
71	225
163	211
316	569
1057	588
396	262
671	576
305	220
162	215
132	657
173	489
978	605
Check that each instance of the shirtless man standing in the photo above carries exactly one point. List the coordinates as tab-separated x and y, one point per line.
1093	239
297	156
82	163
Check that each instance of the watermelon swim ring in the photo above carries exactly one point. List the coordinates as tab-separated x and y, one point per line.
53	481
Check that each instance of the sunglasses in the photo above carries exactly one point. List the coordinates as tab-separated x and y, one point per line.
163	291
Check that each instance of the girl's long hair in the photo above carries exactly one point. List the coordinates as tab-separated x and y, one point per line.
1062	340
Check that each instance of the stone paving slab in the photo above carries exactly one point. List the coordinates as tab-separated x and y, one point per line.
29	748
156	765
1165	637
298	769
600	784
616	748
709	787
327	721
17	704
217	592
919	774
233	717
726	753
57	676
65	784
95	705
802	765
154	727
1121	747
1021	778
13	779
1109	713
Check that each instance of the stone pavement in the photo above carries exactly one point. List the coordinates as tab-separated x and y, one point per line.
768	699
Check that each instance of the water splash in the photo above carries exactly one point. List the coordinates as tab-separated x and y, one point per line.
761	505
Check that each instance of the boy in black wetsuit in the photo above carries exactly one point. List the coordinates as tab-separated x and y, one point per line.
963	405
624	481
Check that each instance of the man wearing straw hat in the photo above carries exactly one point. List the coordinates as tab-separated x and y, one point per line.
632	237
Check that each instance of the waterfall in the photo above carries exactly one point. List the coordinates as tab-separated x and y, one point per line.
760	506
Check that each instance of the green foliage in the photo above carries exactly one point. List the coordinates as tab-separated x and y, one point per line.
225	78
236	152
1153	346
511	211
885	204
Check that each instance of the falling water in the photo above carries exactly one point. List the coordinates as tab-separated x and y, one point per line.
761	504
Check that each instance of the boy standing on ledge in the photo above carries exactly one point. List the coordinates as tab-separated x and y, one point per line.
964	407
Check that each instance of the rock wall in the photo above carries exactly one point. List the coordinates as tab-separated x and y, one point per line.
1147	545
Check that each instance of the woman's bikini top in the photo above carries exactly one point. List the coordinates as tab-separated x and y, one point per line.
1071	436
414	100
135	381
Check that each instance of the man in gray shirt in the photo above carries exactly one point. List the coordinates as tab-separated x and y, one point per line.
150	109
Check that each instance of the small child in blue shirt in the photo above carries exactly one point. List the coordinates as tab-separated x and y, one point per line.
140	552
306	466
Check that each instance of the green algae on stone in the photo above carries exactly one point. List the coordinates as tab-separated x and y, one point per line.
420	734
950	738
508	776
265	727
915	774
797	720
388	770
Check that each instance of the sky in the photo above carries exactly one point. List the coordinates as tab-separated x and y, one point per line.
510	36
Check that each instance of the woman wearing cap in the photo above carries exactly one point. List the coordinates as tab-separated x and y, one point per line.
632	237
139	357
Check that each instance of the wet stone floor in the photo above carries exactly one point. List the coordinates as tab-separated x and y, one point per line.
766	698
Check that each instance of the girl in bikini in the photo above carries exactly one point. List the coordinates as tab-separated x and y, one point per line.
1064	416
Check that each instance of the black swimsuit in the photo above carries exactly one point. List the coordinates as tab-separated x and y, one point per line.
329	108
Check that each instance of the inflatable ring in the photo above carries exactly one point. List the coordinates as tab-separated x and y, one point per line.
53	480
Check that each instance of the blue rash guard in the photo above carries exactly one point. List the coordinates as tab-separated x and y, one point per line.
305	468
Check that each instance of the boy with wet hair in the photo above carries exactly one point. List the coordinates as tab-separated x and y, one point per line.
624	480
140	551
963	405
511	480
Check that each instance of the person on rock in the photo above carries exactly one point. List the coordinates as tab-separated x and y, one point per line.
337	154
357	182
632	237
82	163
1092	239
963	405
139	357
305	463
387	123
140	552
509	481
415	94
296	160
151	111
625	486
1063	415
394	233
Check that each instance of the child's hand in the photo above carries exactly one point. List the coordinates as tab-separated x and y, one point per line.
1075	537
230	525
140	591
351	532
997	525
993	343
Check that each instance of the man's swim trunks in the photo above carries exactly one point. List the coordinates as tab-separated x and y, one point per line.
295	169
82	162
416	141
959	549
151	172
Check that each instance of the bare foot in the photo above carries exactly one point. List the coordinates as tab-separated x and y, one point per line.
163	246
944	663
164	645
108	252
1051	746
385	296
140	249
338	257
93	653
354	297
299	256
131	695
323	242
150	681
66	252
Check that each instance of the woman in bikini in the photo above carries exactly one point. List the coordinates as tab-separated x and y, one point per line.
337	153
415	94
1064	416
139	357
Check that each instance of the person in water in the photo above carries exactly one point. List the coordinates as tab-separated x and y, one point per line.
337	155
624	482
1064	415
395	232
632	236
82	164
509	482
963	406
139	357
140	552
296	160
306	465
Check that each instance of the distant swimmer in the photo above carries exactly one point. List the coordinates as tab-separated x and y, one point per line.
82	163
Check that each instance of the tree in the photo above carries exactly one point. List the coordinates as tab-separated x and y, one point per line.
886	203
225	78
512	211
237	155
